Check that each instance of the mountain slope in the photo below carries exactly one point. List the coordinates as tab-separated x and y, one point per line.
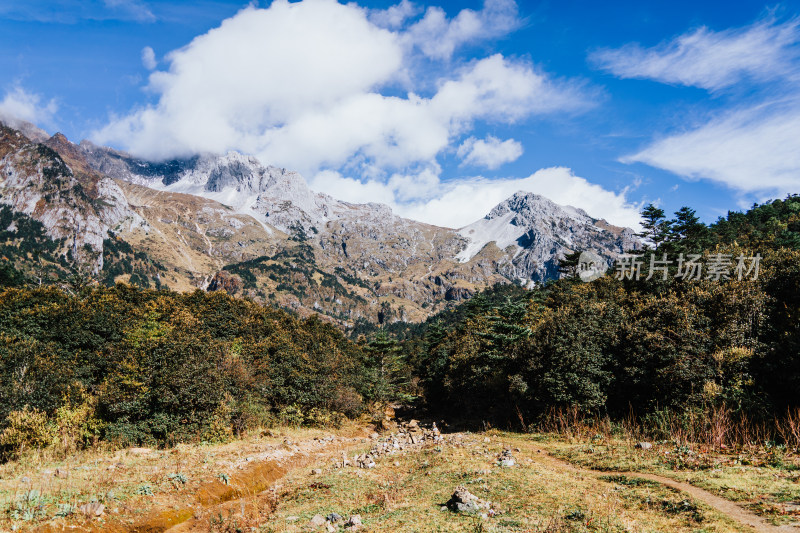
229	222
535	232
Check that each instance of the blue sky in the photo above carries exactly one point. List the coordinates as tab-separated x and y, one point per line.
440	110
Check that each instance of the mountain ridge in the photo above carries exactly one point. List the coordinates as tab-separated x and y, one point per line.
227	221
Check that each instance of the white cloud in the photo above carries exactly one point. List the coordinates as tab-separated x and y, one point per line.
752	144
437	37
305	85
394	16
761	52
753	149
456	203
21	105
490	153
149	58
132	8
72	11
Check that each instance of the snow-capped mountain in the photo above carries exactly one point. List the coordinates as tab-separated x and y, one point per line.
535	232
227	221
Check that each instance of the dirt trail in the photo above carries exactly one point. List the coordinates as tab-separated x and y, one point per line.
726	507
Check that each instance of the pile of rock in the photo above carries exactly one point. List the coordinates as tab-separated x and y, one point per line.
333	521
463	501
506	458
409	435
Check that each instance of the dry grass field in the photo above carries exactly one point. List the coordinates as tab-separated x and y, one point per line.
280	479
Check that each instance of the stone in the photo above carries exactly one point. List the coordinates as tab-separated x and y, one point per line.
330	528
334	517
506	459
292	518
316	472
644	445
463	501
61	473
354	522
93	509
467	507
316	521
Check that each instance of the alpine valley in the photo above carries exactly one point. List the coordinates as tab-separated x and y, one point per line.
227	222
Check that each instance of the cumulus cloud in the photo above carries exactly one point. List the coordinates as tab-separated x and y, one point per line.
20	105
763	51
312	85
752	149
394	16
149	58
438	37
490	153
456	203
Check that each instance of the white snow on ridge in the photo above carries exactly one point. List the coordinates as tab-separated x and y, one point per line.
482	232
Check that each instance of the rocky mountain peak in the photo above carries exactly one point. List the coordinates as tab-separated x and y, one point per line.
529	206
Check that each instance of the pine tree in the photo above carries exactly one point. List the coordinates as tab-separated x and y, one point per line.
387	363
655	224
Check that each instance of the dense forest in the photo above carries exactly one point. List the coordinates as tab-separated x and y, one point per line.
130	365
673	346
133	365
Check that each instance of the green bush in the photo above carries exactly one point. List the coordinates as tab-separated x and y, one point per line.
25	430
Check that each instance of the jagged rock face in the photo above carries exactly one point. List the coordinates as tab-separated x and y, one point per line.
277	239
71	203
536	232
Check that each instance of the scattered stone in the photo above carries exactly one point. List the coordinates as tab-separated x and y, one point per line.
354	522
334	517
463	501
644	445
25	479
316	472
374	436
92	509
330	528
316	521
506	459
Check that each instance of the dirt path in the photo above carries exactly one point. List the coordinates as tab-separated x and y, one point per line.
726	507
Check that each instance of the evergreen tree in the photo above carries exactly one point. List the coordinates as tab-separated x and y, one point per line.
655	224
387	364
568	266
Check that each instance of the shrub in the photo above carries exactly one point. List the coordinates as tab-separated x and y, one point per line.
25	429
77	427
